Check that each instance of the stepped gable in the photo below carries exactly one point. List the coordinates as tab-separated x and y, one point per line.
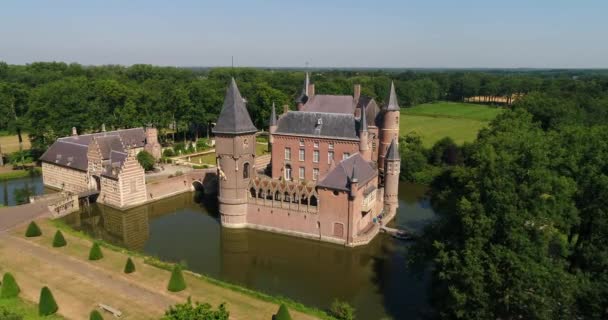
114	165
234	118
330	104
318	124
340	177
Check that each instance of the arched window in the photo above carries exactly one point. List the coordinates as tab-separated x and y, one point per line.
277	196
313	201
252	192
246	170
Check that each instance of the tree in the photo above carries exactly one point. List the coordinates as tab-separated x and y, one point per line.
176	283
59	240
95	253
146	160
9	288
47	305
129	266
33	230
282	313
342	310
95	315
198	311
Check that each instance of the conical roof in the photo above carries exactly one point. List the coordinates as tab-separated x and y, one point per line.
273	117
234	117
391	103
363	121
393	151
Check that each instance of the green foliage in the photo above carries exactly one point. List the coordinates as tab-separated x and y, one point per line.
59	240
198	311
33	230
95	315
146	160
9	288
179	148
177	282
202	144
17	174
282	313
95	253
129	266
168	153
6	314
47	305
341	310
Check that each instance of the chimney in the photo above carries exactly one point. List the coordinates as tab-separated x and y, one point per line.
74	132
285	109
357	92
311	90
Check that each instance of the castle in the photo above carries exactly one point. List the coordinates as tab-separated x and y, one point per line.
334	170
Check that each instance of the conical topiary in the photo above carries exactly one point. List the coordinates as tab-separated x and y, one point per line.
95	315
282	314
33	230
47	304
59	240
176	283
129	267
95	253
9	288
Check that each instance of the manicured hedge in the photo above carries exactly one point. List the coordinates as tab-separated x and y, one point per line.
129	266
59	240
33	230
176	283
9	288
47	304
95	315
95	253
282	314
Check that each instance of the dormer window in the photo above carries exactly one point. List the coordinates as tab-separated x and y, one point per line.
319	121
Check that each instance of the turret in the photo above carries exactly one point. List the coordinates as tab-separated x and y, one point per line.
390	123
364	137
272	127
303	98
392	166
235	152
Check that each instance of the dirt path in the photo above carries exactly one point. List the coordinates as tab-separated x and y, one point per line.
11	217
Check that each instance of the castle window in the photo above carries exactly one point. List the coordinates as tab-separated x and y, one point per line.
246	170
345	155
331	146
288	172
330	156
301	142
313	201
316	144
287	153
315	174
301	173
252	192
301	154
315	156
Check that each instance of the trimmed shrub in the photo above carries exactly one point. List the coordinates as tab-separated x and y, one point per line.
47	305
176	283
146	160
129	266
6	314
342	310
9	288
33	230
59	240
95	253
282	314
95	315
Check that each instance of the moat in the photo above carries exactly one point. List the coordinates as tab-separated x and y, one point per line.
373	278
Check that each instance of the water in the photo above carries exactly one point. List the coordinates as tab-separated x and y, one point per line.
373	278
18	191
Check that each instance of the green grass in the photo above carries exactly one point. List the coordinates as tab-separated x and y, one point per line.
261	149
434	121
16	174
28	310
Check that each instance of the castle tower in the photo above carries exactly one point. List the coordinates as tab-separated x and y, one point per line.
303	98
235	152
272	127
152	146
392	166
364	149
390	124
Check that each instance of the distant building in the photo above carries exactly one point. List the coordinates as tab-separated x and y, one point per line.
334	172
104	162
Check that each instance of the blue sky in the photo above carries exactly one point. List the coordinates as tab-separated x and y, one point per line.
379	33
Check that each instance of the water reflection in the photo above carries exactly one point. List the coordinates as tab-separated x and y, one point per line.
373	278
17	191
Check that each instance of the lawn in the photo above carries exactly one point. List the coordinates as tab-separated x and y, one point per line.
28	310
10	143
434	121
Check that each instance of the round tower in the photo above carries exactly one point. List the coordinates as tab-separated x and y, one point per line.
235	152
392	167
364	149
390	124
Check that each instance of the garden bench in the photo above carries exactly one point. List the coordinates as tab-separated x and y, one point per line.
113	311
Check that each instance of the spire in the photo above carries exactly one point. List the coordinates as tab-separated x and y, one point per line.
273	117
363	119
354	177
306	84
303	98
234	117
391	103
393	151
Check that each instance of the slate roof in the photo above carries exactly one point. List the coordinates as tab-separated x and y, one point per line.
109	143
273	117
319	124
392	104
363	120
134	137
393	151
234	117
115	160
330	103
67	154
373	114
339	178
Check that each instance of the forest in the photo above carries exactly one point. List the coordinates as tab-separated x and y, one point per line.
522	230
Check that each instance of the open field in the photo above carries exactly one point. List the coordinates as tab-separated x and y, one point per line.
434	121
10	143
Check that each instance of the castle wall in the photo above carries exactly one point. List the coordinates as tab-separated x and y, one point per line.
110	192
280	142
132	183
64	178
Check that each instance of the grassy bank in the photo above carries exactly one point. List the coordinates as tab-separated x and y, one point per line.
157	263
17	174
26	309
